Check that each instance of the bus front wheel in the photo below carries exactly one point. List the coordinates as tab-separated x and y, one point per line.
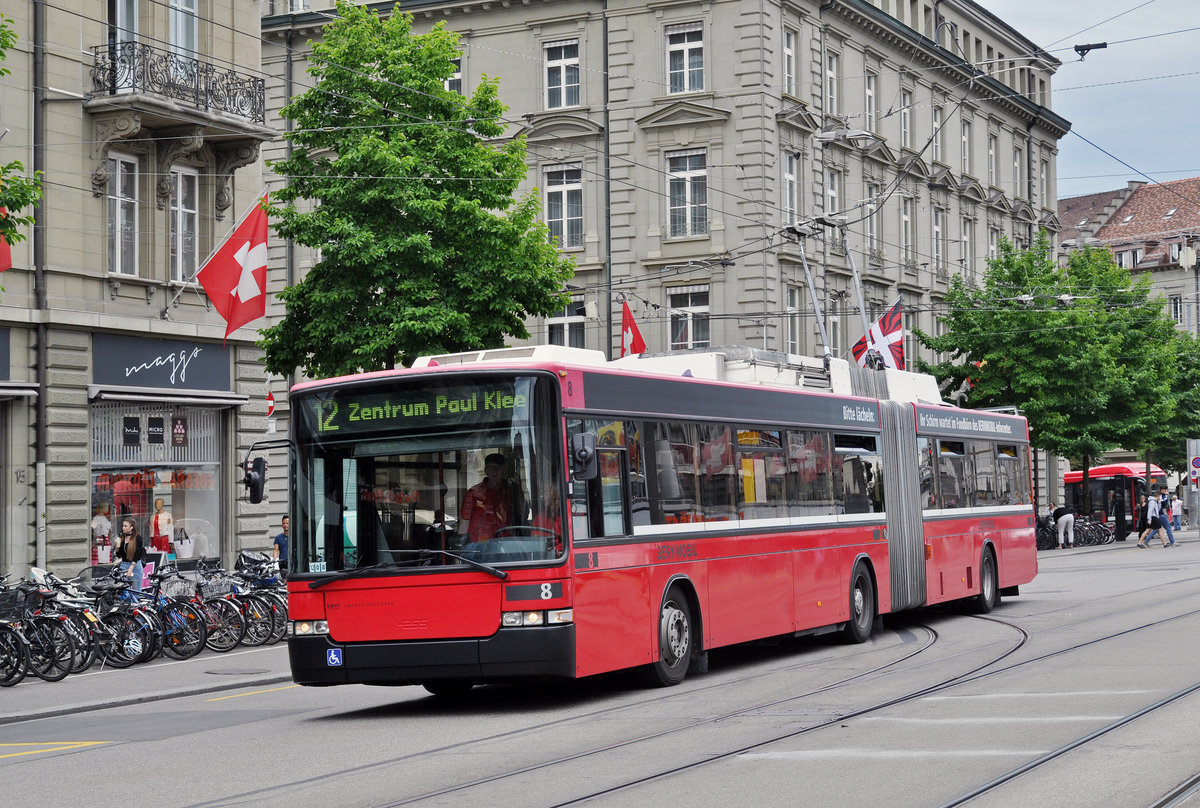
989	585
675	640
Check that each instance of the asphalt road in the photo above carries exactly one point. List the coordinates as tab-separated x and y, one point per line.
1083	691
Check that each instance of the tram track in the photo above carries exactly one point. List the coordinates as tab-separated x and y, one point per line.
979	671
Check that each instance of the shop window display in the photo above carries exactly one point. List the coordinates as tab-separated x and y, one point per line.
160	466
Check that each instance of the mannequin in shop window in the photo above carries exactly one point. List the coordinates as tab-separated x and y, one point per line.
161	527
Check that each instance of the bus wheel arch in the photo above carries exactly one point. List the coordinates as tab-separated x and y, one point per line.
864	603
677	633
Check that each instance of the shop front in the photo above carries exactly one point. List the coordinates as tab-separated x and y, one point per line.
159	428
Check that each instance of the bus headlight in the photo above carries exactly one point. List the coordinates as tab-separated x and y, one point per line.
551	618
306	628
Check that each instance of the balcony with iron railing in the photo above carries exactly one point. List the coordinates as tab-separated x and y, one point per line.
138	69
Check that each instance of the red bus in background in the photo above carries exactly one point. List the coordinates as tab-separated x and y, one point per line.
652	509
1115	491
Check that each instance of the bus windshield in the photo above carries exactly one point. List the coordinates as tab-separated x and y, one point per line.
426	472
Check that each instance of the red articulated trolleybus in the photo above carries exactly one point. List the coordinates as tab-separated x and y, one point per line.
541	512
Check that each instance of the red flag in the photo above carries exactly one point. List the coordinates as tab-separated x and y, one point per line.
235	278
5	249
886	337
631	338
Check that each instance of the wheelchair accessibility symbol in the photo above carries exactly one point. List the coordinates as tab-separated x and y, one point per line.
333	657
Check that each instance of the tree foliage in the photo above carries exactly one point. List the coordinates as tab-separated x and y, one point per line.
17	192
1082	350
407	190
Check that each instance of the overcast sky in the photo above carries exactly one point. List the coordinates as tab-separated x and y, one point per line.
1136	100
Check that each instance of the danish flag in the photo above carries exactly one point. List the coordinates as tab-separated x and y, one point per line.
235	277
886	336
631	337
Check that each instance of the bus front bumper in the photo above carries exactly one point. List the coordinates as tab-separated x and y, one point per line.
511	653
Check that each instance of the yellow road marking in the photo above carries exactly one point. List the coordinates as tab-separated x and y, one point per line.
57	746
253	693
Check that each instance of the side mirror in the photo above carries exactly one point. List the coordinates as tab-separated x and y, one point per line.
584	463
256	479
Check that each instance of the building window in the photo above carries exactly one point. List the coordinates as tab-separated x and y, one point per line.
791	188
562	74
906	103
832	77
1176	302
833	191
1044	183
789	62
1016	173
1176	247
564	205
685	58
991	157
938	254
967	248
937	133
185	218
183	28
122	214
869	102
907	248
454	82
566	327
965	148
689	316
1129	259
872	222
993	243
688	194
795	300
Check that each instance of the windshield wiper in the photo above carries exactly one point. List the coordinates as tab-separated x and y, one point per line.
470	562
356	571
350	573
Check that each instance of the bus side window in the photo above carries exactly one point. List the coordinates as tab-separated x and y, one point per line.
607	495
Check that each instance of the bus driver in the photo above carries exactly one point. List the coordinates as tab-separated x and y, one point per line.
488	505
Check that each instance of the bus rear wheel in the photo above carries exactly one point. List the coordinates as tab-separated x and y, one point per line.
675	640
989	585
862	606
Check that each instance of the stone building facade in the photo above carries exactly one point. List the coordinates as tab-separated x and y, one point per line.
118	394
676	145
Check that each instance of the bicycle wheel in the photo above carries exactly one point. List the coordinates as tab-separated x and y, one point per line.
260	620
84	637
120	644
231	625
14	655
279	605
184	632
51	650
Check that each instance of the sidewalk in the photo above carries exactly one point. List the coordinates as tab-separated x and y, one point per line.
1186	535
99	688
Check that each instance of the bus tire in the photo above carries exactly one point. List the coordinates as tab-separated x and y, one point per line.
676	640
989	585
862	606
449	688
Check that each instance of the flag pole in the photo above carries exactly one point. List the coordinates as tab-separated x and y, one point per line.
191	281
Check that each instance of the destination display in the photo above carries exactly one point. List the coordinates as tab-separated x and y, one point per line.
405	409
969	424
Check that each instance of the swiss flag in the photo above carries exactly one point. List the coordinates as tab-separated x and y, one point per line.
235	278
5	249
631	338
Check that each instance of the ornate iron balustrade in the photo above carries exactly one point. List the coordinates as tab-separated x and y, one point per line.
134	67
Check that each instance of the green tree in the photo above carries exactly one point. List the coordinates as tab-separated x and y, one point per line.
1167	439
1082	350
407	189
17	192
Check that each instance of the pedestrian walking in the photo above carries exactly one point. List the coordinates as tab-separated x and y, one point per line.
1164	513
1152	521
1064	520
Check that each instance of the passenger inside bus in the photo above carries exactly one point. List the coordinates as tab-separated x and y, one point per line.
489	504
